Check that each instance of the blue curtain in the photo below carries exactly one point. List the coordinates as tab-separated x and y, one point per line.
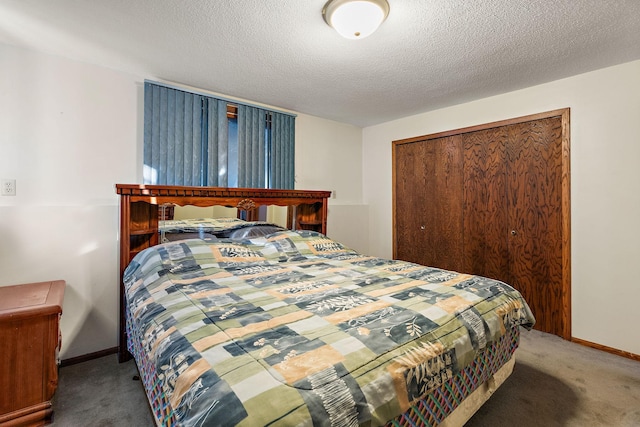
217	144
186	142
252	129
282	153
172	136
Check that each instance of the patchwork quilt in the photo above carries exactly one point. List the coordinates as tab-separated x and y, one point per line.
295	329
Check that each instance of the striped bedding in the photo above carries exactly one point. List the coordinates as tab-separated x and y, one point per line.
295	329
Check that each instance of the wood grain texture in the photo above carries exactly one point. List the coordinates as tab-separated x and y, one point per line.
534	198
515	208
429	220
409	174
566	223
29	344
486	228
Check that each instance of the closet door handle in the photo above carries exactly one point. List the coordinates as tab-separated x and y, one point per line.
422	227
514	232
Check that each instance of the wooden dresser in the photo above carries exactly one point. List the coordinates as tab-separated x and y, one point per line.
29	345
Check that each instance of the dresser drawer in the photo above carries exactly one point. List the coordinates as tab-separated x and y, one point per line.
30	341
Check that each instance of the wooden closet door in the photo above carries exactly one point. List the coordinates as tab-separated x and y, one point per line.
428	202
495	201
512	215
534	198
410	173
486	221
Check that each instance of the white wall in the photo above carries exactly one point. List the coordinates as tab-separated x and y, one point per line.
605	188
67	135
329	158
70	131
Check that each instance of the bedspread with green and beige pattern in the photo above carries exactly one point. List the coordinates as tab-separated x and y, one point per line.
295	329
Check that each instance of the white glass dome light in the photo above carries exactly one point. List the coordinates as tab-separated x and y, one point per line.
355	19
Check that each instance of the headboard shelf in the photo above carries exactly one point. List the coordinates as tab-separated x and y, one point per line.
218	196
139	211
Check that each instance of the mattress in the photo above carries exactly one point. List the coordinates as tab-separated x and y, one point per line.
295	329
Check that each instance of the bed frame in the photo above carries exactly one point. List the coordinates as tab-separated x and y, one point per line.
139	207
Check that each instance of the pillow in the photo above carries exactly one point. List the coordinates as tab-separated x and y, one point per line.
221	227
305	243
252	231
195	225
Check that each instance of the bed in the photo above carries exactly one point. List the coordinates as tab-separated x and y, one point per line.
290	327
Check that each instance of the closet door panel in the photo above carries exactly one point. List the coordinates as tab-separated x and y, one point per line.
445	219
534	199
410	242
429	202
486	223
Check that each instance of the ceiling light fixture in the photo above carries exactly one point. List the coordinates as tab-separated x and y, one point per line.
355	19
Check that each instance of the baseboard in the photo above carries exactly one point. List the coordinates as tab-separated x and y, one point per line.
611	350
87	357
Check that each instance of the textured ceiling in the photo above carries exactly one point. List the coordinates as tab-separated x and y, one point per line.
427	55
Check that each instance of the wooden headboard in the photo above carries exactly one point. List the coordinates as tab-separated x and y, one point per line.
307	210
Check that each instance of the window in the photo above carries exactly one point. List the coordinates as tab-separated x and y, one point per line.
195	139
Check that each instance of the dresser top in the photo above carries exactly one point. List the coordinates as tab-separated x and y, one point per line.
41	297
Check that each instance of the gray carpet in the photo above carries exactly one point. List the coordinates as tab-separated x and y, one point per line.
554	383
101	393
559	383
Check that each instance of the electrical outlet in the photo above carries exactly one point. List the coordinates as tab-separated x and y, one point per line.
8	187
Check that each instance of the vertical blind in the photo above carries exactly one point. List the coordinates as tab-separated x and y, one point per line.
252	129
187	141
217	145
